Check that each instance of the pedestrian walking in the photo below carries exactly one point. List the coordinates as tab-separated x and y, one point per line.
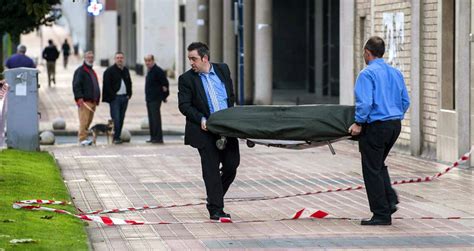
156	91
51	54
66	49
117	90
381	103
19	59
203	90
86	90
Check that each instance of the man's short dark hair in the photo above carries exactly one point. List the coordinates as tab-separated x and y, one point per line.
119	52
201	48
150	56
376	46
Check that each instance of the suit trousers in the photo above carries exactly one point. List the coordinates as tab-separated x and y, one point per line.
375	142
85	119
154	120
51	68
216	178
118	107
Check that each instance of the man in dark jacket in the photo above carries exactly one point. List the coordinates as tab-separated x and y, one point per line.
85	86
117	90
66	52
205	89
51	54
156	91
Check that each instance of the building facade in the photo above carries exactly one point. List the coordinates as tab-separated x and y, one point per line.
312	50
134	27
430	42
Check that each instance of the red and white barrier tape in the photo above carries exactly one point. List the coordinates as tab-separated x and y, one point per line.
93	215
44	202
304	213
109	221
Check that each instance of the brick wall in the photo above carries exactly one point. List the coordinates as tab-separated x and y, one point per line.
429	75
402	59
429	64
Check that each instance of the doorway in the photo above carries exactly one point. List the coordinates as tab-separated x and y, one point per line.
305	51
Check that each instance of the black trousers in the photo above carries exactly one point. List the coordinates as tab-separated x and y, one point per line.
118	107
154	120
218	178
375	142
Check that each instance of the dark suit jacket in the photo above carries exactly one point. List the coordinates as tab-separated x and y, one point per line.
50	53
112	80
193	103
154	82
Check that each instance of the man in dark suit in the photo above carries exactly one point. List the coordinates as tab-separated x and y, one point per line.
51	54
117	90
156	91
205	89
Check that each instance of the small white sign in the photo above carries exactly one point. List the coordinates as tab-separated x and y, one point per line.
20	89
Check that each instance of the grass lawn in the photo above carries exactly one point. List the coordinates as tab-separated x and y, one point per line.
34	175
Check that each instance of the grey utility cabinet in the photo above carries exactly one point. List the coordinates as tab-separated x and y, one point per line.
22	117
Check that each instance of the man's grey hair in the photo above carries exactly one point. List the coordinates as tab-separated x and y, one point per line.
88	52
21	49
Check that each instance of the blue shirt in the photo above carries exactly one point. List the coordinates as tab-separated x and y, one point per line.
219	88
380	93
19	60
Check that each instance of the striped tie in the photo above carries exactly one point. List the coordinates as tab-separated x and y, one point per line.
212	93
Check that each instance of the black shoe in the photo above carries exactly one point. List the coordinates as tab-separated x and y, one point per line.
117	141
393	208
154	141
218	215
376	222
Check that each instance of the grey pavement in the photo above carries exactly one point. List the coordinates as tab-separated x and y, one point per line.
136	174
133	175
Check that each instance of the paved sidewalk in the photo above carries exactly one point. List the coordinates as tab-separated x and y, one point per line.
106	177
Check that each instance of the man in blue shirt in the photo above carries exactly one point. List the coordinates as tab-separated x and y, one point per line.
381	102
203	90
20	59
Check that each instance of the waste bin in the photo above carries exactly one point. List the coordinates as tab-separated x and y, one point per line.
22	117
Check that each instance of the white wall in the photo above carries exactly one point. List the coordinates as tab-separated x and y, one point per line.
346	54
106	36
156	31
76	15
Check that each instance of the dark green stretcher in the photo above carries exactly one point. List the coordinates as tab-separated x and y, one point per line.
293	127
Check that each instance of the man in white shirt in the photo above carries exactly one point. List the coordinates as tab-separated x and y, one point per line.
117	90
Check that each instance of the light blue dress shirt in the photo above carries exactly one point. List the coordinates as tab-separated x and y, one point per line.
219	88
380	93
